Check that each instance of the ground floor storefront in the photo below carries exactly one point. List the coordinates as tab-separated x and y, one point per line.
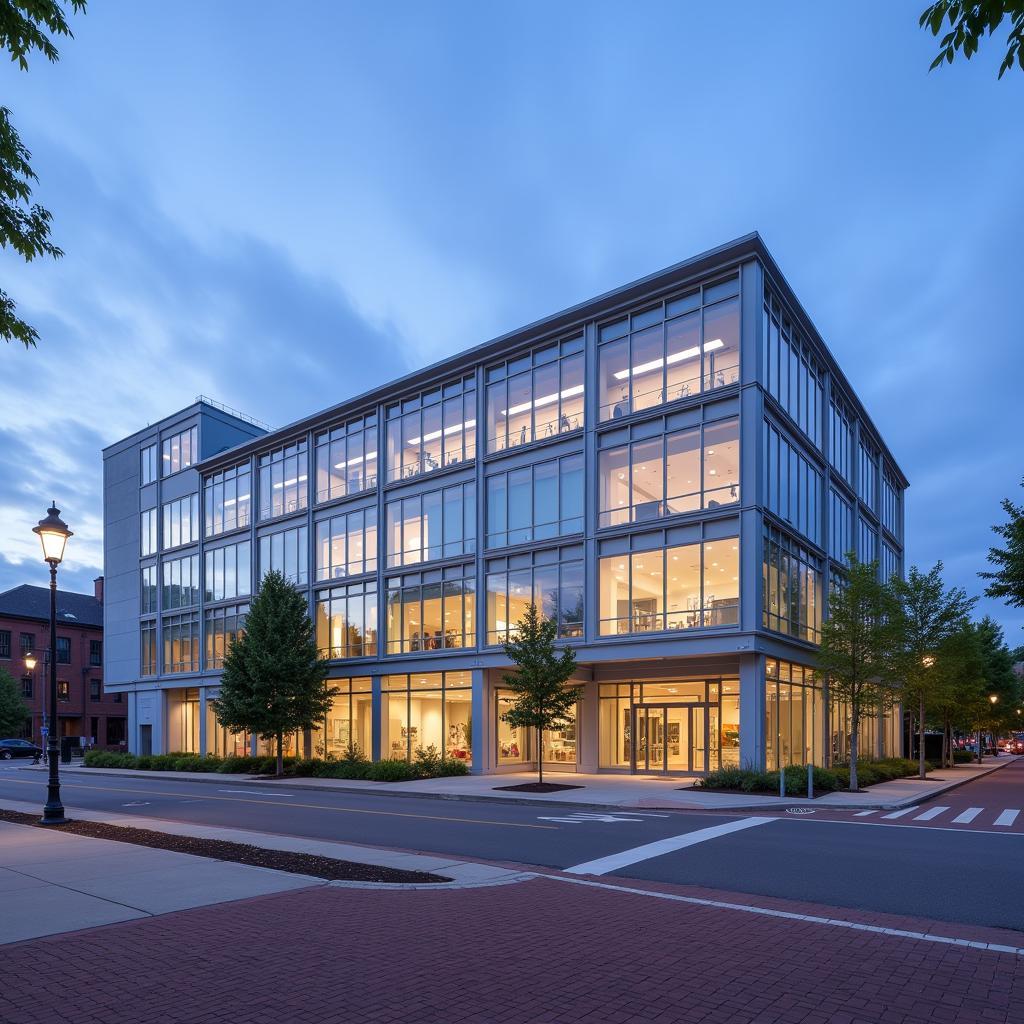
664	717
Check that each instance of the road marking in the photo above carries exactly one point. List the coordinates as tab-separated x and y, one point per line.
1008	817
581	817
968	816
899	813
831	922
863	814
910	825
603	865
259	792
309	807
136	803
932	812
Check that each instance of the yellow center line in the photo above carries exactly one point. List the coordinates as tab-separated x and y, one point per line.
288	803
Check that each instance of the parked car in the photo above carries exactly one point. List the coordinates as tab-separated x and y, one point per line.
18	748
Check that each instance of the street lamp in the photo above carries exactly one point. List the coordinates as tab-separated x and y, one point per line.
30	666
53	534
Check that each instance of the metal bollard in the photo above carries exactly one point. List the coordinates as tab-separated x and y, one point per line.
810	781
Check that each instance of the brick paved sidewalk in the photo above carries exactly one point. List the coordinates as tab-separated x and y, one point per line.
540	952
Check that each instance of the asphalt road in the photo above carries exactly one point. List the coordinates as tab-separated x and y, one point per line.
969	876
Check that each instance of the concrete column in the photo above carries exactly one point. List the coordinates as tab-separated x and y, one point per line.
204	748
752	711
132	734
375	717
586	729
483	733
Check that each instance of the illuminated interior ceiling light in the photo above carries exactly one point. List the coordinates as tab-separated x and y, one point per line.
435	434
290	483
676	357
355	460
577	389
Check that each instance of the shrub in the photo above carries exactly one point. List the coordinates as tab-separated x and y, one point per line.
747	780
452	766
427	763
963	757
390	771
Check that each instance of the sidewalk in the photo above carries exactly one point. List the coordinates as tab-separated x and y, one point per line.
600	791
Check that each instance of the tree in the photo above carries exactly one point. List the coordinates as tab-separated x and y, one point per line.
1007	581
958	686
13	709
969	21
274	679
541	700
25	226
927	615
856	644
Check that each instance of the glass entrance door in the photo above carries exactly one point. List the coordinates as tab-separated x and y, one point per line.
671	738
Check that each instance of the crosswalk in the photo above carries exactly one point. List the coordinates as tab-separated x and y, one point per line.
942	815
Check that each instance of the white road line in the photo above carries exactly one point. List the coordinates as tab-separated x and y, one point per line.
603	865
1008	817
257	792
968	816
932	812
831	922
863	814
899	813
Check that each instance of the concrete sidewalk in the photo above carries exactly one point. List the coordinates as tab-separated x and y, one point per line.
600	791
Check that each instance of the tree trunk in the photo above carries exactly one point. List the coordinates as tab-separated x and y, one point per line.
540	755
855	728
920	739
280	754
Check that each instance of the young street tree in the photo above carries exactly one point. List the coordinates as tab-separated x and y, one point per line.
1006	581
969	22
273	681
541	700
25	226
927	616
856	641
13	709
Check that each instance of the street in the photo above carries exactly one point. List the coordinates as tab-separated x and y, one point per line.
954	859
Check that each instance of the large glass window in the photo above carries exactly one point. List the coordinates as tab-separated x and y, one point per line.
148	464
683	471
432	431
792	375
437	524
432	611
684	587
867	542
840	533
148	531
792	484
346	544
228	572
227	499
840	441
891	498
867	468
181	521
346	459
284	481
890	561
427	709
181	582
180	451
794	721
535	396
791	587
349	723
673	350
536	502
555	587
222	626
287	552
181	643
147	602
346	620
147	651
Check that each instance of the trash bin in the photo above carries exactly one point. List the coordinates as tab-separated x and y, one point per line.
66	743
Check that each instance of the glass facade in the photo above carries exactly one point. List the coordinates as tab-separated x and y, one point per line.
346	459
432	430
147	648
181	582
867	542
180	451
535	396
424	710
682	471
228	572
867	469
685	587
792	485
346	621
431	525
181	521
791	594
892	516
346	545
284	480
840	441
536	502
286	552
794	710
147	601
840	536
673	350
431	611
552	580
792	375
222	625
349	723
148	531
227	500
147	464
181	643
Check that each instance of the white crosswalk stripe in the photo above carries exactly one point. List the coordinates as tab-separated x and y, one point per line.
968	816
863	814
899	813
932	812
1008	817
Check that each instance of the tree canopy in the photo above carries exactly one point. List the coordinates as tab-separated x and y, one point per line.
969	22
13	709
1006	580
25	226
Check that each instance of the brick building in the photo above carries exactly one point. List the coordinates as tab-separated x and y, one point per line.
84	709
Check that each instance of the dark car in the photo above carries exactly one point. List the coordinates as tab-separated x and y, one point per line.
18	748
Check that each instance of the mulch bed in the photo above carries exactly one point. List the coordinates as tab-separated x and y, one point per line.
238	853
537	787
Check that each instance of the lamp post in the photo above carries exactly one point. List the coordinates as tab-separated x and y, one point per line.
30	666
53	534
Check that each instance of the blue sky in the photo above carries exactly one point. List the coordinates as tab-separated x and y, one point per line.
279	210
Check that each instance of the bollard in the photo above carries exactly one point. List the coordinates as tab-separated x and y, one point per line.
810	782
782	780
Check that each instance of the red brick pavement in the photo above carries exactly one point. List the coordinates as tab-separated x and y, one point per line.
540	952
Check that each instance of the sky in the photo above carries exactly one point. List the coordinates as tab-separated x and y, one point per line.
282	207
